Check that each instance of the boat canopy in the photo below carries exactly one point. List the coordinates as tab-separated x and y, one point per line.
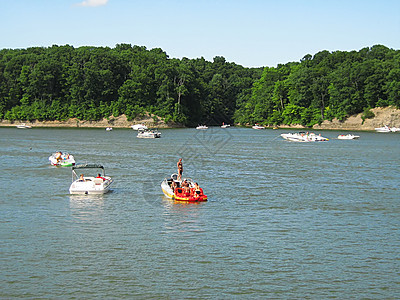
88	166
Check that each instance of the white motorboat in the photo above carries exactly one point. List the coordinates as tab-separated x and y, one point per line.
387	128
62	159
304	137
225	125
348	136
81	184
23	126
139	127
202	127
256	126
148	134
383	129
109	129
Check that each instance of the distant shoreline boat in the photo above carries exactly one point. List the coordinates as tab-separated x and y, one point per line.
304	137
148	134
348	137
256	126
139	127
387	128
23	126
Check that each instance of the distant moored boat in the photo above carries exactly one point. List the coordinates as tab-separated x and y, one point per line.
23	126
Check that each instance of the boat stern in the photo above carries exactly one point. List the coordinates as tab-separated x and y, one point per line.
167	190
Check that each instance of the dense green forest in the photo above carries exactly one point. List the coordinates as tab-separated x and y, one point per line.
91	83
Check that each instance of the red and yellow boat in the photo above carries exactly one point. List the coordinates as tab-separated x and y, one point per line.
173	189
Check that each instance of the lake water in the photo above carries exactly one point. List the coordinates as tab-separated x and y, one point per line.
284	220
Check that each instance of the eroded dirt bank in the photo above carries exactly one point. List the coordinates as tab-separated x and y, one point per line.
383	116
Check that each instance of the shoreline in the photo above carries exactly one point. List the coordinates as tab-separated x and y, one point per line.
118	122
383	116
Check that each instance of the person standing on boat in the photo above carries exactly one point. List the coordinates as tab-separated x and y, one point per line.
180	169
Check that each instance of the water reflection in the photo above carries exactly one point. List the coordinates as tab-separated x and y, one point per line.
182	216
86	207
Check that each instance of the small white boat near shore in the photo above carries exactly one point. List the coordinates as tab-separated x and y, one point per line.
23	126
202	127
85	185
256	126
348	136
148	134
304	137
109	129
387	128
383	129
139	127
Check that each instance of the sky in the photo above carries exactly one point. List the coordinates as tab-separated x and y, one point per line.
251	33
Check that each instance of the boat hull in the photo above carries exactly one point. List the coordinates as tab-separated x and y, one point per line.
168	192
148	134
304	137
149	137
23	126
90	186
348	137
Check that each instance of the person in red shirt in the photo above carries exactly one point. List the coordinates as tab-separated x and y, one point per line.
99	176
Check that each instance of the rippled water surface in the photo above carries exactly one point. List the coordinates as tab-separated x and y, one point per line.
284	220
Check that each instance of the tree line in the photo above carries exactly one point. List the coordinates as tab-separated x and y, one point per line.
91	83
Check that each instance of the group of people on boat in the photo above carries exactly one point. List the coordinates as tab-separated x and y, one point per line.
60	156
187	188
82	177
61	159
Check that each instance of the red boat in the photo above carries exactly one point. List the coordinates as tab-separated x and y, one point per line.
172	188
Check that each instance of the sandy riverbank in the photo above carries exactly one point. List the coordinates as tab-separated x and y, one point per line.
118	122
383	116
